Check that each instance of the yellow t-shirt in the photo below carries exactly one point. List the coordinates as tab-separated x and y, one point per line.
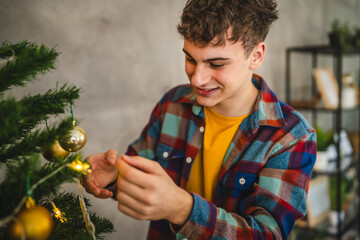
219	131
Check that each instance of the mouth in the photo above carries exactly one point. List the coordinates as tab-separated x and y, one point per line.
206	91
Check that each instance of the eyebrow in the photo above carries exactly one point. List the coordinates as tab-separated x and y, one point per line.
207	60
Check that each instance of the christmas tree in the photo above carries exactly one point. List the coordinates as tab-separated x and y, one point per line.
36	157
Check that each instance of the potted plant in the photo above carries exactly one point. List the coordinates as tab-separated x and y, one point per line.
323	141
347	193
340	34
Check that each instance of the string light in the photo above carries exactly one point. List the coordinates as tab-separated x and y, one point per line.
80	166
58	214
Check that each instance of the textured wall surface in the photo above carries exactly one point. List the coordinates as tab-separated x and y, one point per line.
125	53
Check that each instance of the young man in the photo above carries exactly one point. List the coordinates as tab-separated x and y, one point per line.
220	157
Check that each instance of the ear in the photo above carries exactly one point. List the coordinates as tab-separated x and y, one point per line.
257	55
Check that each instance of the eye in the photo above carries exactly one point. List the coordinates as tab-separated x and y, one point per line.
213	65
190	60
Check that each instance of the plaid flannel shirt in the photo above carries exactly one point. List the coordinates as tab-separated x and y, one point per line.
264	179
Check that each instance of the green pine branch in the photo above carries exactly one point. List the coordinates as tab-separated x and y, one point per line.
21	140
75	224
8	121
32	143
52	185
18	173
8	50
34	109
30	59
14	185
52	102
21	117
49	177
74	227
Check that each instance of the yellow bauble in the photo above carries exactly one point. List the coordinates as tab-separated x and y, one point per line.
50	152
74	141
36	222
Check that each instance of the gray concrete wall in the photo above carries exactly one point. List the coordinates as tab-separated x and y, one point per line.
125	53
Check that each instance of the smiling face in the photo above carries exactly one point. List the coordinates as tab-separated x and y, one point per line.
221	76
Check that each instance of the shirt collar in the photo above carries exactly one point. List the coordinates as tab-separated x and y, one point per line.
267	111
190	98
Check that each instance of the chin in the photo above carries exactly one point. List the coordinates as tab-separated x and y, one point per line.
204	102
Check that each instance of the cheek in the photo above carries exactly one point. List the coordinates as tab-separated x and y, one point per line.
222	77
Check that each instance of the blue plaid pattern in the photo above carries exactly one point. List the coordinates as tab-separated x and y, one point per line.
273	150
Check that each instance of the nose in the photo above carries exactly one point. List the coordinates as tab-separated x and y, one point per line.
200	76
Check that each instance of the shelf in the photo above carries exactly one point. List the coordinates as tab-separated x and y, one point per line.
338	166
344	168
322	109
325	229
323	49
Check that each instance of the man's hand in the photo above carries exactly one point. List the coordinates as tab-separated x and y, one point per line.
146	192
103	173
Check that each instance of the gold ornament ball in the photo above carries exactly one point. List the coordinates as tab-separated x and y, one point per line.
74	141
50	152
37	223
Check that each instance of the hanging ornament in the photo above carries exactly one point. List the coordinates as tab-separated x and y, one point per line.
33	222
74	141
90	227
54	150
51	151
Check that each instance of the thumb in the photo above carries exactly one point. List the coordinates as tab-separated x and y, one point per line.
111	155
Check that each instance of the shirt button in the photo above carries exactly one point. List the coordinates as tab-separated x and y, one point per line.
165	154
188	160
202	129
242	181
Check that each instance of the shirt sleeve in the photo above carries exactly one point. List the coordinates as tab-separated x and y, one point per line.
278	199
144	146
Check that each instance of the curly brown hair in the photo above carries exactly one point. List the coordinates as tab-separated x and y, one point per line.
248	20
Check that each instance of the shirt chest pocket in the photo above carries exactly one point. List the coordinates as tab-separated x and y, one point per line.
169	157
237	184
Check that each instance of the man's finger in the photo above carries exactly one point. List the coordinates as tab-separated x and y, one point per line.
141	163
133	190
111	156
130	212
104	193
132	174
95	157
91	188
128	201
